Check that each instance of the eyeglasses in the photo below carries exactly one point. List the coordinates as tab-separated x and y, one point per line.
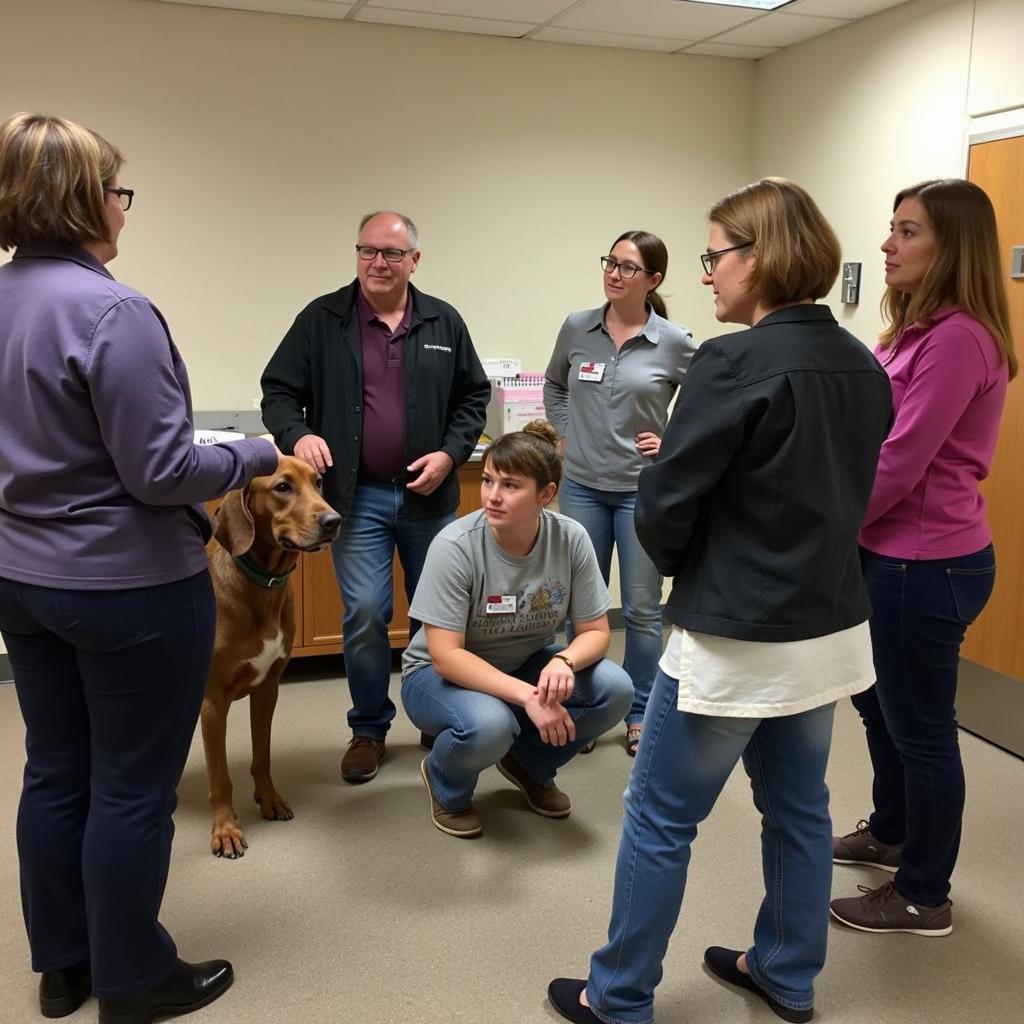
124	196
369	252
626	270
710	259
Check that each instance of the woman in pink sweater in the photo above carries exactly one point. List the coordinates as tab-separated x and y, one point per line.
926	546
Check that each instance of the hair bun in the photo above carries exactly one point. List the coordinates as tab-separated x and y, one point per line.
542	431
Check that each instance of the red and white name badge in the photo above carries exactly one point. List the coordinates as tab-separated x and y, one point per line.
501	604
592	371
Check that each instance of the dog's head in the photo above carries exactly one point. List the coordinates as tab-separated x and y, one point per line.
286	508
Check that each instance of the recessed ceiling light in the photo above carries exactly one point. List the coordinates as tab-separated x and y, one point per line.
756	5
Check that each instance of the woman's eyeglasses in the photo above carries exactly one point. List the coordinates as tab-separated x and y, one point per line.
124	196
626	270
709	260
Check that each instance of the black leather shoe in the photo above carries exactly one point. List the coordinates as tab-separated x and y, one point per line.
188	987
62	992
564	996
722	963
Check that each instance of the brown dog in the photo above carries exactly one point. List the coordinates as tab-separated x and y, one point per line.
259	533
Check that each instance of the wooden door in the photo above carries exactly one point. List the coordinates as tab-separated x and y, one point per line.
996	640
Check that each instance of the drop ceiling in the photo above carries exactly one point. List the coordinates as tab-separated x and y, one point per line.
669	26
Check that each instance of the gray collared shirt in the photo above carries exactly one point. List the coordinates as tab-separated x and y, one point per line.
601	417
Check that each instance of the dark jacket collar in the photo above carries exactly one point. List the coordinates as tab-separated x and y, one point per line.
807	313
51	251
343	302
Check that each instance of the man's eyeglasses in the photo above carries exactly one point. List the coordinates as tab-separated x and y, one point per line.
369	252
710	259
124	196
626	270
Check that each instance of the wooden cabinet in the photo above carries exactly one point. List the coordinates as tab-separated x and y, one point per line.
318	607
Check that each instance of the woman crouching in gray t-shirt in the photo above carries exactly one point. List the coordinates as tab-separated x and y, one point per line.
484	674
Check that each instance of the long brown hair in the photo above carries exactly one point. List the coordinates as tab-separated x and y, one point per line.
965	270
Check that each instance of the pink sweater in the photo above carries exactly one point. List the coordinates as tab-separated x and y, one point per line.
948	389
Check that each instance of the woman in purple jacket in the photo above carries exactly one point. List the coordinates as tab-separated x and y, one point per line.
106	606
926	547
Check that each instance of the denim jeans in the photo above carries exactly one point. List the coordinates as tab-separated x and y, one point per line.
681	766
919	614
608	518
109	683
474	730
375	524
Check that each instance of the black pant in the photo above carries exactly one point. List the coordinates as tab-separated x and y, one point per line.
110	684
919	614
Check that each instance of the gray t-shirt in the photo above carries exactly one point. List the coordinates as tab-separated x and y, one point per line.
508	608
600	398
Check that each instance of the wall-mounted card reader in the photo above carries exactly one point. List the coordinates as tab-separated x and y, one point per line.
1017	261
851	284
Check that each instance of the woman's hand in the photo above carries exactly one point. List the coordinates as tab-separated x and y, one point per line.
556	682
648	444
553	722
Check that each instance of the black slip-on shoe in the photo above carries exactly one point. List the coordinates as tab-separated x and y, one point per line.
722	963
564	996
188	987
63	991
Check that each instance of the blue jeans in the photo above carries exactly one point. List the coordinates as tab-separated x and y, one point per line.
607	517
109	683
683	762
375	524
475	730
919	614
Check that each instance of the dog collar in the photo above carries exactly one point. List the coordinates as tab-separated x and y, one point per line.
261	576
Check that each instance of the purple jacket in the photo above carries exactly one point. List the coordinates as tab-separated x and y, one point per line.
98	469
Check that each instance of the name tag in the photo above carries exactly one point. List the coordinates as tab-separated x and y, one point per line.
501	604
592	371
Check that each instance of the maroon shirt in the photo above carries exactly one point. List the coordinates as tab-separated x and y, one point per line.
382	454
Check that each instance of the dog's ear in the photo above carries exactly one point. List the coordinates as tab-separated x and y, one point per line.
235	530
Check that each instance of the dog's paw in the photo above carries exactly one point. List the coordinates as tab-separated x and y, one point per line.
273	806
228	840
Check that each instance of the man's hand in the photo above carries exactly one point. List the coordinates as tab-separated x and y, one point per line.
556	683
314	451
553	722
648	444
432	469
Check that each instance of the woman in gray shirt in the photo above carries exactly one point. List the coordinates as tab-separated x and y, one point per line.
607	389
484	674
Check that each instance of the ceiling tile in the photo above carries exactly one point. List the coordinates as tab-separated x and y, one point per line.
849	9
629	42
501	10
732	50
444	22
306	8
780	30
653	18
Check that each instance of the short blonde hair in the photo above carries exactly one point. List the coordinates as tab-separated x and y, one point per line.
797	251
52	176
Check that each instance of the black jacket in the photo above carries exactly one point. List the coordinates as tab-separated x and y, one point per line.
764	475
314	384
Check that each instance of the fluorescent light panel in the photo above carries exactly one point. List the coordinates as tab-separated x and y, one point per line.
756	5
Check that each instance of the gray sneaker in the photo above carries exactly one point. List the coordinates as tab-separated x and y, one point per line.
861	847
885	910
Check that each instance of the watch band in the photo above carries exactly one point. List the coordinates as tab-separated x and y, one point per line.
568	661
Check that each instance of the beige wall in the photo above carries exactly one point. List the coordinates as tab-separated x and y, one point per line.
256	141
996	82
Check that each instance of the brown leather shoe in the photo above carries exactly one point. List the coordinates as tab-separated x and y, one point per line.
547	800
362	759
461	824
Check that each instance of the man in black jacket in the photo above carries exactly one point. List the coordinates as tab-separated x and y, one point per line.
378	387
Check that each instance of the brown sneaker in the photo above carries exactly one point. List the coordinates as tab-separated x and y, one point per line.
547	800
462	824
861	847
885	910
362	759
